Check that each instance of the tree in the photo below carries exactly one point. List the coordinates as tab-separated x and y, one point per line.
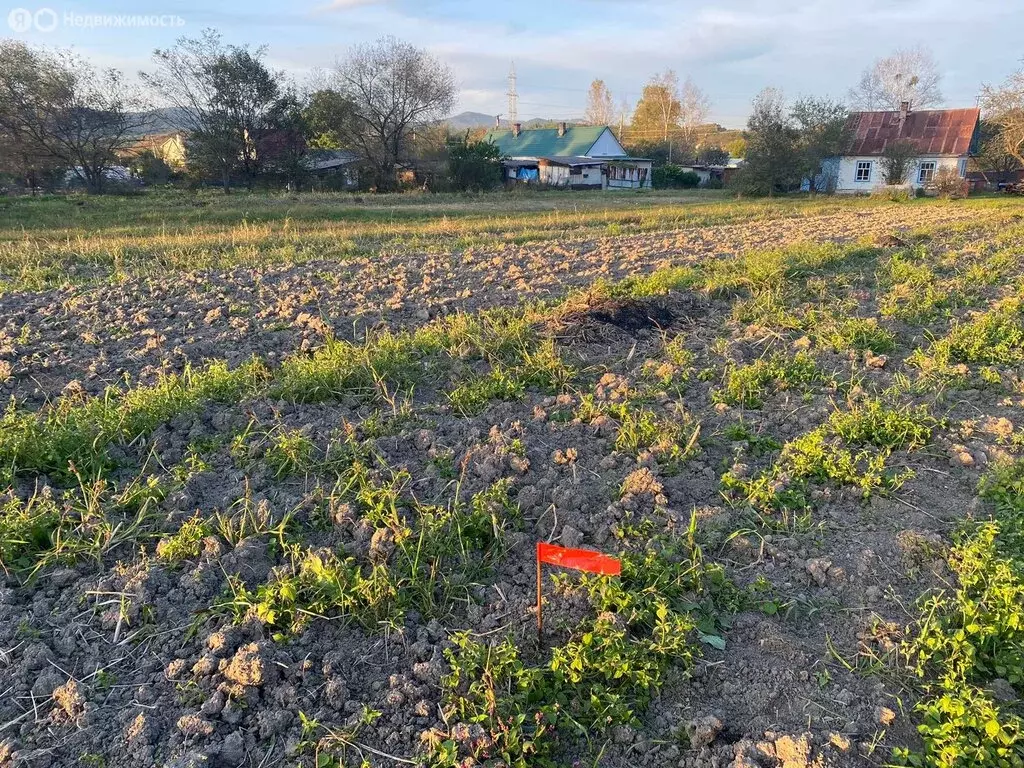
658	110
993	159
57	109
227	99
821	124
737	147
283	148
674	177
773	163
907	75
600	107
473	165
329	117
694	106
22	161
1004	108
184	79
712	156
151	168
245	105
393	86
897	159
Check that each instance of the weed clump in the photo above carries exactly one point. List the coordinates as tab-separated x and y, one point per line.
27	529
748	385
604	673
671	440
852	448
418	555
857	333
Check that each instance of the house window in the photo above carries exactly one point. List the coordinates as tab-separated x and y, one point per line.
926	172
863	171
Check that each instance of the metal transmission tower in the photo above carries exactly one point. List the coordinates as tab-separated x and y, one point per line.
513	97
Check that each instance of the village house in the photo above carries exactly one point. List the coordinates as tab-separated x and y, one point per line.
336	168
578	157
944	138
169	147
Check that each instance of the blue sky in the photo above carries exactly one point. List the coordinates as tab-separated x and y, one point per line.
731	48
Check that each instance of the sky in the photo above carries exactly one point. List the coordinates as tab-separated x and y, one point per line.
731	48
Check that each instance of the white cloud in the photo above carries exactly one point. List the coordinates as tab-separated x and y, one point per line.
344	5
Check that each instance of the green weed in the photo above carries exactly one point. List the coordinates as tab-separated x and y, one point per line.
852	448
859	333
748	385
185	543
605	672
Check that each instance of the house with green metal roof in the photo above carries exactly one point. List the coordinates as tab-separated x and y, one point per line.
563	141
577	156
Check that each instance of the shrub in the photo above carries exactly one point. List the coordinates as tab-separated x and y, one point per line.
949	185
674	177
473	165
896	161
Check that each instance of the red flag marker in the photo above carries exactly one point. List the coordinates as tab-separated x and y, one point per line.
577	559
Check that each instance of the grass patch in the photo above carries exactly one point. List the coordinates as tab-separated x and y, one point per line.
748	385
910	290
418	556
994	337
671	439
852	448
74	433
857	333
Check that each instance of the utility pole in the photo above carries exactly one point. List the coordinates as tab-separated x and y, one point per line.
513	97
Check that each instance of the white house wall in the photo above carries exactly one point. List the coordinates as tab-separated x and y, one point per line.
846	181
555	175
606	146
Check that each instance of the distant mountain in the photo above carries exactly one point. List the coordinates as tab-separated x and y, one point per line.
163	120
465	120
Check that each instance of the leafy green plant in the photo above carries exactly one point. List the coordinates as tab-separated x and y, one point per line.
964	640
973	634
185	543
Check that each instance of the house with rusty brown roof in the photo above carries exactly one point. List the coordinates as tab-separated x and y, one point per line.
944	138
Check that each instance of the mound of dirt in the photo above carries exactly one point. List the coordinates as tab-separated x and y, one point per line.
597	317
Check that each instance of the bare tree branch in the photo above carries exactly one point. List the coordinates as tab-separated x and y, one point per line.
907	75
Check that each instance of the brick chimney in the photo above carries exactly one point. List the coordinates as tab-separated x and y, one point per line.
517	128
904	111
561	129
